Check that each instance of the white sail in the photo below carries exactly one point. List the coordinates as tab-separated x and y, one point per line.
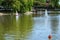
16	13
46	13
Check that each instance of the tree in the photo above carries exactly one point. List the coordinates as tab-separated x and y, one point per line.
18	5
14	4
55	3
0	2
6	3
26	5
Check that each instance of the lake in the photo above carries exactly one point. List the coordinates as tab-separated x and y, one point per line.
24	27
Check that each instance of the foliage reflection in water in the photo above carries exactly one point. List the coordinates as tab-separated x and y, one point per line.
10	29
29	28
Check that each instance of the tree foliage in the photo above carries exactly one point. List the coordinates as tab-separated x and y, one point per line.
17	5
0	2
55	3
24	5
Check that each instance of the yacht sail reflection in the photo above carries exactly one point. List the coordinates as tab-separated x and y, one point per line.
17	18
54	27
15	27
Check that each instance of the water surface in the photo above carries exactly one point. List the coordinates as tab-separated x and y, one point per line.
29	28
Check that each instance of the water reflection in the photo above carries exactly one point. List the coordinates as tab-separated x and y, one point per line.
54	24
8	25
24	25
1	32
29	28
10	29
54	27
